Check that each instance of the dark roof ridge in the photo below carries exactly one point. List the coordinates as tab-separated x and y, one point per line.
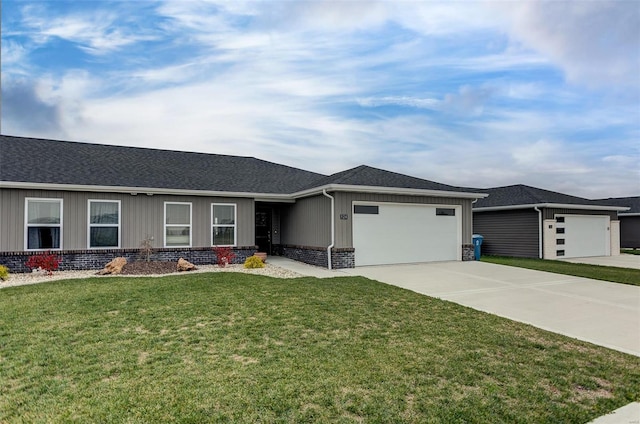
121	146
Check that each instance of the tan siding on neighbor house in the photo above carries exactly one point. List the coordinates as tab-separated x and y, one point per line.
344	201
307	222
142	216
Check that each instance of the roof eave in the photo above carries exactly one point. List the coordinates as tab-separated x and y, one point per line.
551	205
387	190
271	197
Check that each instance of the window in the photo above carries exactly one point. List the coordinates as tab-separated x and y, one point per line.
43	224
104	224
560	230
559	252
365	209
177	224
223	224
560	219
560	241
445	212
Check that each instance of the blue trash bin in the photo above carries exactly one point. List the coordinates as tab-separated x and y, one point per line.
477	246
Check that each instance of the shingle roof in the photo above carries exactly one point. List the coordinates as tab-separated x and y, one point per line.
520	194
84	164
630	202
364	175
64	162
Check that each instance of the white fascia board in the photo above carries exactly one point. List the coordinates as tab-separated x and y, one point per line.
629	214
146	190
552	205
387	190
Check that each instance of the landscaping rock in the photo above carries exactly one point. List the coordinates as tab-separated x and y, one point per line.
114	267
184	265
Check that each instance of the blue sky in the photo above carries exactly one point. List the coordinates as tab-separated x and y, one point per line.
470	93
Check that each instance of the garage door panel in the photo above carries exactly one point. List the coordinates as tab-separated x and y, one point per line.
586	235
405	233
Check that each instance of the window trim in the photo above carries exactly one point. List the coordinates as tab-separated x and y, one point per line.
60	201
234	226
165	225
90	225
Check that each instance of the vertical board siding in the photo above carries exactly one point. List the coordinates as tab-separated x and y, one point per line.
344	201
142	216
307	222
508	233
11	219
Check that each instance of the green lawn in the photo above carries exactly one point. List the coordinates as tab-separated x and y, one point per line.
597	272
630	251
227	347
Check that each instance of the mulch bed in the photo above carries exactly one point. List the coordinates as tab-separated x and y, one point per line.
151	267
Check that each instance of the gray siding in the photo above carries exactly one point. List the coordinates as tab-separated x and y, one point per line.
142	216
508	233
344	227
630	231
550	213
307	222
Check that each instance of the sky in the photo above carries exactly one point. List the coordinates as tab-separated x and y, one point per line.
467	93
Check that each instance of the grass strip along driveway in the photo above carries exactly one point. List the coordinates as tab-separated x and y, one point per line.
243	348
596	272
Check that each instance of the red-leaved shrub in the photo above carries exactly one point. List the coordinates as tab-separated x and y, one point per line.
45	261
224	255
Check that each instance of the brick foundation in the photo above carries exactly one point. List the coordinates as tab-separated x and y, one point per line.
76	260
340	258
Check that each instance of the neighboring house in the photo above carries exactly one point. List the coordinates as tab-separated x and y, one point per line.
629	220
526	221
90	203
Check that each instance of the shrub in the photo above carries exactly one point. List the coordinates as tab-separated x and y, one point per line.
224	255
4	273
253	262
45	261
146	248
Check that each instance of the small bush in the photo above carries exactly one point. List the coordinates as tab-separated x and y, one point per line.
45	261
146	248
224	255
253	262
4	273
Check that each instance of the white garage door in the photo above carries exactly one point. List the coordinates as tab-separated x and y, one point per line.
585	235
393	233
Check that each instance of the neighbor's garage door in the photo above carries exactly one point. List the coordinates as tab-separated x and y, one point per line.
585	235
391	233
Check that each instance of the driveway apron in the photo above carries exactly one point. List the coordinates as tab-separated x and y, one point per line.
603	313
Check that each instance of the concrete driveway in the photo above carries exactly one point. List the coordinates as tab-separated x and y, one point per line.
603	313
623	261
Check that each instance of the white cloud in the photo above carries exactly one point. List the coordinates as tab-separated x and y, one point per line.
96	33
597	43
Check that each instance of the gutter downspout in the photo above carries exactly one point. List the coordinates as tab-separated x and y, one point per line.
333	228
539	231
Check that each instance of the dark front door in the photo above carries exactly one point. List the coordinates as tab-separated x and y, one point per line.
263	229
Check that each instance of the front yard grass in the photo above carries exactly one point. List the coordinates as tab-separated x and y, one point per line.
228	347
597	272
